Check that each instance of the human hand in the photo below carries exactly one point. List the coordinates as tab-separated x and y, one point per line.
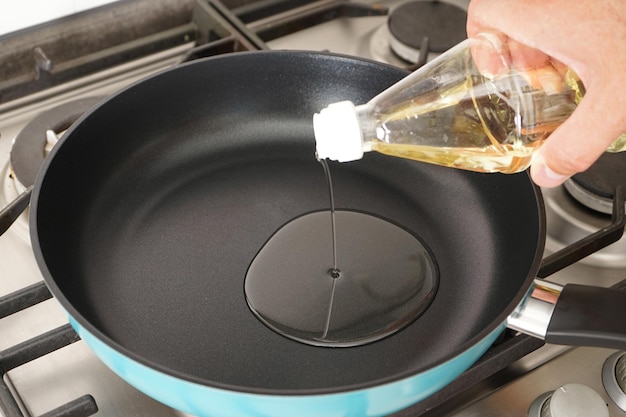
588	36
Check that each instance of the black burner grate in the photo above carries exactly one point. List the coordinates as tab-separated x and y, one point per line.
607	173
441	24
34	348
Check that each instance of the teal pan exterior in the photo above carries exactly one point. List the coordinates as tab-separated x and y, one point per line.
207	401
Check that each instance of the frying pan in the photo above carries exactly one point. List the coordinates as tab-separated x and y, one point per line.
148	212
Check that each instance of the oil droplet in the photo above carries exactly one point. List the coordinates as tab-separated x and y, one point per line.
334	273
386	279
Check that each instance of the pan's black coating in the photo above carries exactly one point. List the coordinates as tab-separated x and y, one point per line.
151	208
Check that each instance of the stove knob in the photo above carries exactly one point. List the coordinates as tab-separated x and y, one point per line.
571	400
614	378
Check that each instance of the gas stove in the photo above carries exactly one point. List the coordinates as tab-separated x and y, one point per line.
50	371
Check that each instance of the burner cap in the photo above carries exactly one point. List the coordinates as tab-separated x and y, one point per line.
442	23
596	186
27	152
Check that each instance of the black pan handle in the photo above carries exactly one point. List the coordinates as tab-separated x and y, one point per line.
575	315
10	213
589	316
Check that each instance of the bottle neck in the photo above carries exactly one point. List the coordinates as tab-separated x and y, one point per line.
371	129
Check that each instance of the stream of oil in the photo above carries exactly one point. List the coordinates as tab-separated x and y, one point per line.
340	278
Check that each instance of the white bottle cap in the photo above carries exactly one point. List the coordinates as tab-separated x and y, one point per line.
337	133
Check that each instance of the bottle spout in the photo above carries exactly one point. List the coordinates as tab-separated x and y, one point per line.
338	134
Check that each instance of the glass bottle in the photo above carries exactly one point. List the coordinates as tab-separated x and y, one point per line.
485	105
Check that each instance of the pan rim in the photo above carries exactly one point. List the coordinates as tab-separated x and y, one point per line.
81	322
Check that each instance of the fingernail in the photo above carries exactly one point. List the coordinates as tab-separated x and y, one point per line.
543	175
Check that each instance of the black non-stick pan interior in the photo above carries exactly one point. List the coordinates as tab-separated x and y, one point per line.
152	207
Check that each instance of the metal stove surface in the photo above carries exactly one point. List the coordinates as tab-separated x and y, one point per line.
366	37
74	371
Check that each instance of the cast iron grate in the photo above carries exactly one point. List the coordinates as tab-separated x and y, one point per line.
34	348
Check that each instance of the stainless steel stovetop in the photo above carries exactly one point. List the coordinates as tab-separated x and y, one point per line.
73	371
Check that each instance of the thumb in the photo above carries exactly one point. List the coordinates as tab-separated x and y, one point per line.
580	141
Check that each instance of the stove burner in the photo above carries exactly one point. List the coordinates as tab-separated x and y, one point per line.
442	23
27	152
595	187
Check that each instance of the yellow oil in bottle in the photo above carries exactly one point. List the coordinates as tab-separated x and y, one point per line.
470	127
477	125
485	159
453	114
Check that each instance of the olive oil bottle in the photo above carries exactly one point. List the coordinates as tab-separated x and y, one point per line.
481	106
